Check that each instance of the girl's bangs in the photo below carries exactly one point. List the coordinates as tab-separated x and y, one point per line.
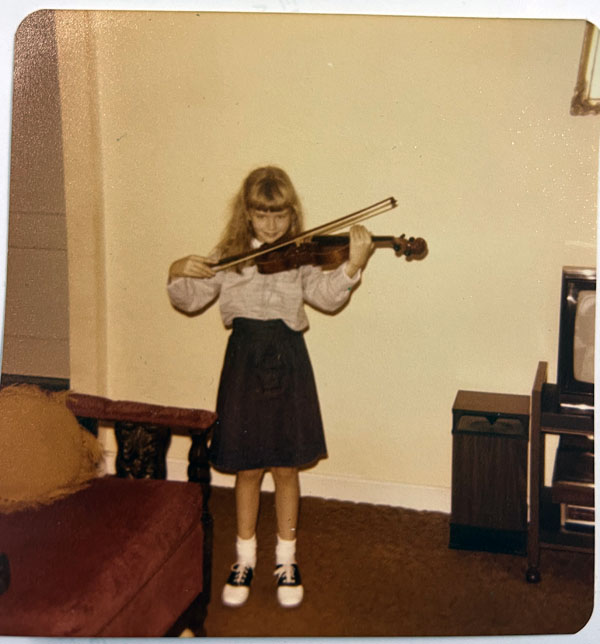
268	195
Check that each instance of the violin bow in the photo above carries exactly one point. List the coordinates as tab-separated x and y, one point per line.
377	208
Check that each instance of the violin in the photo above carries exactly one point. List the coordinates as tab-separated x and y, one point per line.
327	251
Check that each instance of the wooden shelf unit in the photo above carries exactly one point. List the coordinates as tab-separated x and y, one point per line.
545	528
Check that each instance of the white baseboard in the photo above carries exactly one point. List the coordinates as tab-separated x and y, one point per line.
341	488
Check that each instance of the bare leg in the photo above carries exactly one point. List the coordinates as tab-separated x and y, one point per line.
287	500
247	501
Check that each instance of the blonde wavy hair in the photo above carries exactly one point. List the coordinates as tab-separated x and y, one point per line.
268	187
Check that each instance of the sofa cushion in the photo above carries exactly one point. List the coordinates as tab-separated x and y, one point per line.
44	453
122	558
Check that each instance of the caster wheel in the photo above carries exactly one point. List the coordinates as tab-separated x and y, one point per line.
532	575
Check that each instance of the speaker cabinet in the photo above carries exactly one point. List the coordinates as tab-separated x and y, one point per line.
489	472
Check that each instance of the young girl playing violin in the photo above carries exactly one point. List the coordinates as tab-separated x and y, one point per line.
269	417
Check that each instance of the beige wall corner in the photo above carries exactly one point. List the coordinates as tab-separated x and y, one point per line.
84	202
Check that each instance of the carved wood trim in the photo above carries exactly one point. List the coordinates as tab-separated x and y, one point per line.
142	450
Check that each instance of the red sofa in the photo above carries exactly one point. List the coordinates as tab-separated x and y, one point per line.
127	556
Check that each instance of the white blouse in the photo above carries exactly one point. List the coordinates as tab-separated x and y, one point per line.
258	296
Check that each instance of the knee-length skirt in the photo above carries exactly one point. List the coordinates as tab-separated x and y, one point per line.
267	405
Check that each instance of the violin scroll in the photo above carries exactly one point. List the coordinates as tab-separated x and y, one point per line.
411	248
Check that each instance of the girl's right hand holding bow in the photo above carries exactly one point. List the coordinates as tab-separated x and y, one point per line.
191	266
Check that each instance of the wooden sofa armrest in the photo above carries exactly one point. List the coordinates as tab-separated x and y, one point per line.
143	432
176	418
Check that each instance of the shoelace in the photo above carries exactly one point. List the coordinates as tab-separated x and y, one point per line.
286	573
241	572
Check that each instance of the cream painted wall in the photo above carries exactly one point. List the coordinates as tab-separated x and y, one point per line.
466	122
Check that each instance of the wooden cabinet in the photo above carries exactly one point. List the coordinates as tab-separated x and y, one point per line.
561	514
489	472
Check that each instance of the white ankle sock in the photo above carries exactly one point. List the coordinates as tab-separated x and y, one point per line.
246	551
285	551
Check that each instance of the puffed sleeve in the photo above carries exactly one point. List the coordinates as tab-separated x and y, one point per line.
327	290
192	294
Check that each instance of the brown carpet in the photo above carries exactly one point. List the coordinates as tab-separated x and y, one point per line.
371	570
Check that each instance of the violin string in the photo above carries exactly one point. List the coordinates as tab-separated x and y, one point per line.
360	215
354	218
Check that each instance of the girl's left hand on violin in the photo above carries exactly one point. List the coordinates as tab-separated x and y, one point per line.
361	247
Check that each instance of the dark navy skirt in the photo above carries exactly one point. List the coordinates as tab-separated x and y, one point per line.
267	403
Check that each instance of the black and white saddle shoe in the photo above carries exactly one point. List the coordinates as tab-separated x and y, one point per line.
236	590
290	591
